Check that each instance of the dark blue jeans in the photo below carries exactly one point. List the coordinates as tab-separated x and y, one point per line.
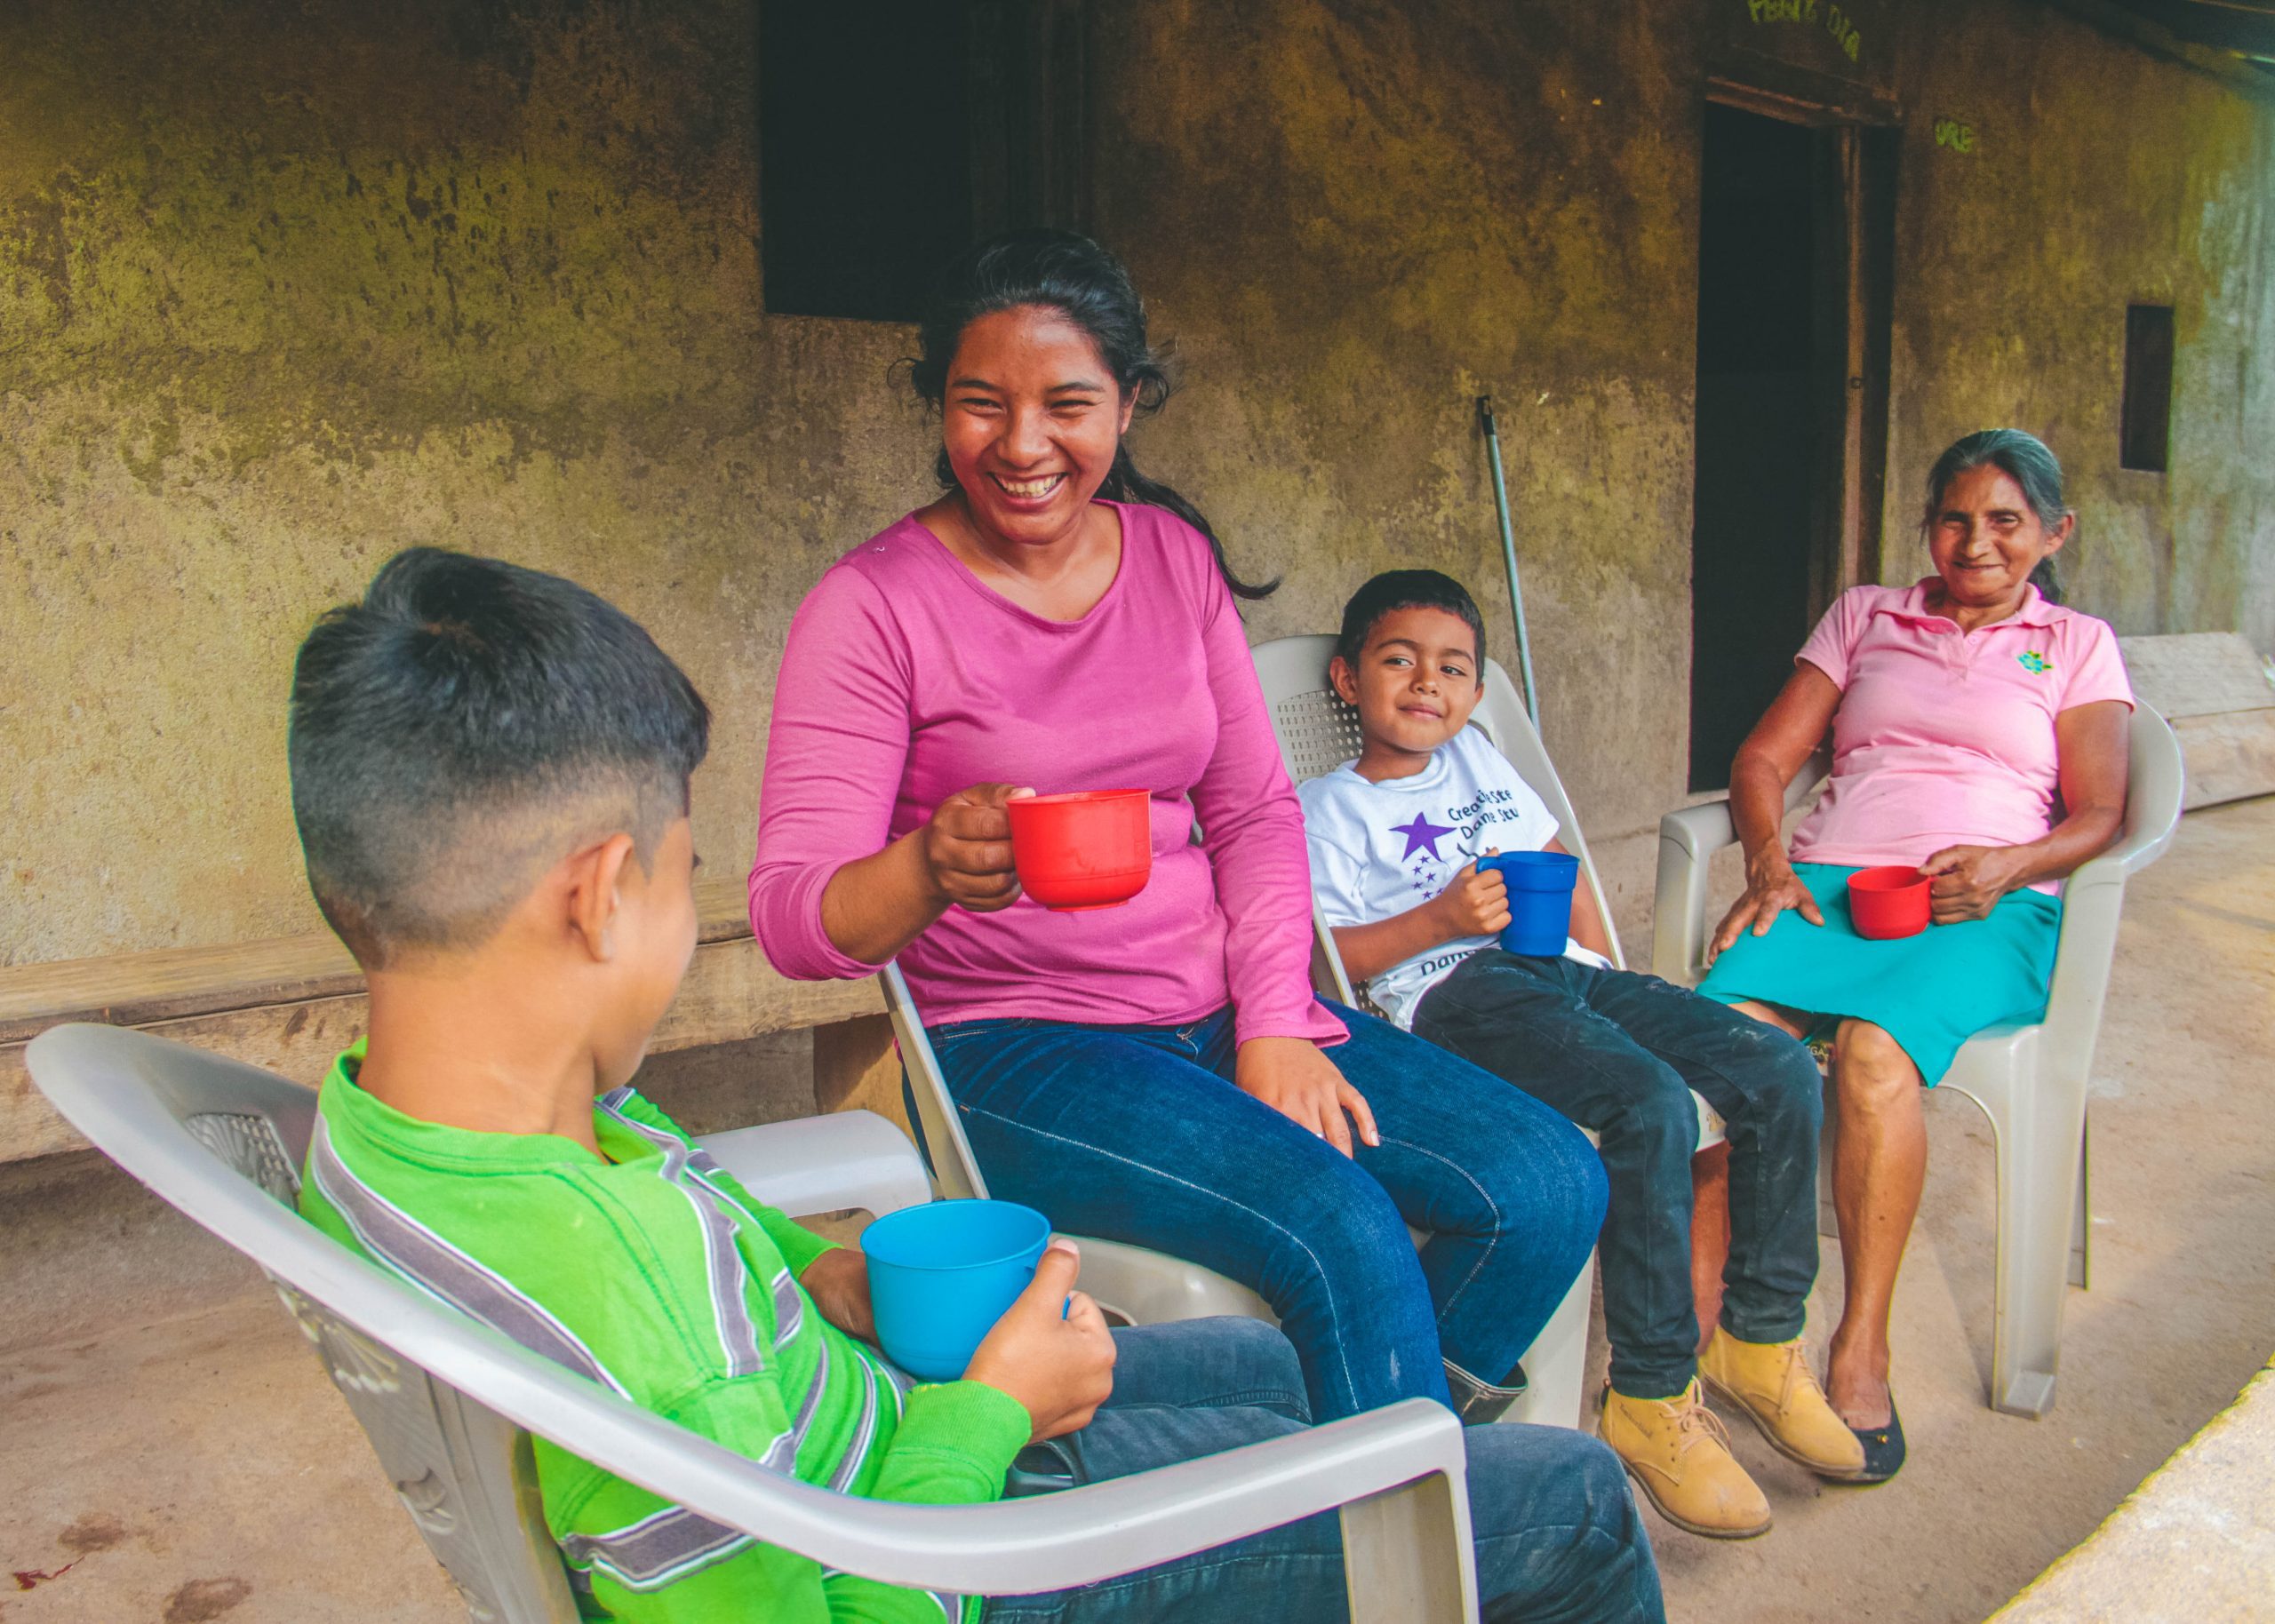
1618	1053
1136	1134
1557	1534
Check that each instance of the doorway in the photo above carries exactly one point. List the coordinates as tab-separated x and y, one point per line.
1794	237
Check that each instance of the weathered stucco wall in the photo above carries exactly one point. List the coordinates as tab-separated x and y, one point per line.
1358	219
2097	175
285	286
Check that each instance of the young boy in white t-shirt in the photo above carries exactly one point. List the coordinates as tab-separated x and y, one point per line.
1394	839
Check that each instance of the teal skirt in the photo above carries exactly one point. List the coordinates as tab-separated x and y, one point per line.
1930	993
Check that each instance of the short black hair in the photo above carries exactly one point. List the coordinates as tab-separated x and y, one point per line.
461	730
1397	589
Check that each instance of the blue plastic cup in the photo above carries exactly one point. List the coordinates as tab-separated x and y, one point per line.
1540	899
941	1275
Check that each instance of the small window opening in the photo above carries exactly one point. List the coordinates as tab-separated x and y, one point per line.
2145	432
895	132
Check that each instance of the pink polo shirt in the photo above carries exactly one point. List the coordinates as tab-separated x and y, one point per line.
1946	737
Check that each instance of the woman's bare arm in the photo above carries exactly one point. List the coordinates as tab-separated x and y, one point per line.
2091	743
874	906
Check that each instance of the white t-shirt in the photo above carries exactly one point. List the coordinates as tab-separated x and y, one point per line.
1379	849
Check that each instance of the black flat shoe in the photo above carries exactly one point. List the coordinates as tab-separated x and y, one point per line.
1883	1448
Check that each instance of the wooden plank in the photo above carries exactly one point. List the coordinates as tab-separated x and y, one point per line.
730	993
137	989
2229	757
2197	673
170	983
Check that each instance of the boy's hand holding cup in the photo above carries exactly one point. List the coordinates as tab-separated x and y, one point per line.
978	1289
1052	1350
1476	904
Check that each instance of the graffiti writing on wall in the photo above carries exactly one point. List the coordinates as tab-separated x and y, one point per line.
1833	20
1952	133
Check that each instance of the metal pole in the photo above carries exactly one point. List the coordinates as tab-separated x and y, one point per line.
1509	554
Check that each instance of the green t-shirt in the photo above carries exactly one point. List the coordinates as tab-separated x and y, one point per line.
655	1274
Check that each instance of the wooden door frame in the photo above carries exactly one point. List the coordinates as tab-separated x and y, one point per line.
1857	181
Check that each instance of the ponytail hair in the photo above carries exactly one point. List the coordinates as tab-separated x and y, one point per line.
1070	274
2025	459
2048	579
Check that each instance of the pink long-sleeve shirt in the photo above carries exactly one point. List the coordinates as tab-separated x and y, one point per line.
906	679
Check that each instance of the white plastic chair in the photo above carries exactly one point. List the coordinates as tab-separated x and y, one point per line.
2029	1080
1317	733
445	1399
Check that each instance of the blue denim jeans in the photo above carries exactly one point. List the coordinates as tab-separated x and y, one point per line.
1557	1534
1136	1134
1619	1054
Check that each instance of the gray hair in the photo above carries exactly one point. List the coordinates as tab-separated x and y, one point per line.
2023	458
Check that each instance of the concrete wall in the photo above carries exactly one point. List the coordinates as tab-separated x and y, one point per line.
2097	175
284	286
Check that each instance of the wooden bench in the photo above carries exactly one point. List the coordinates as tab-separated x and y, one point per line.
292	1003
2217	692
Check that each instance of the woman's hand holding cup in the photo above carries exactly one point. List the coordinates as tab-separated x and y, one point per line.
1971	880
967	849
1052	1350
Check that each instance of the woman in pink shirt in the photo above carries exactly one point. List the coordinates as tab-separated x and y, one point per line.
1979	732
1158	1073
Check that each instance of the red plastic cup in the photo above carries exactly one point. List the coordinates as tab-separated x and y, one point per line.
1093	848
1888	902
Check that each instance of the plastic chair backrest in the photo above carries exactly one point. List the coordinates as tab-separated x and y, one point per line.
1318	732
2156	788
465	1475
2093	897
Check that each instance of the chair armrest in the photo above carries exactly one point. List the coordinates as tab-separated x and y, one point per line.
1049	1542
1043	1543
2137	847
1329	978
1687	839
1700	830
852	1158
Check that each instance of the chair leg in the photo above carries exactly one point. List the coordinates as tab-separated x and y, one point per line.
1828	1216
1407	1557
2081	1219
1556	1364
2040	1129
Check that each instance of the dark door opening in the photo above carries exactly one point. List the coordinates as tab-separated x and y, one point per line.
1770	316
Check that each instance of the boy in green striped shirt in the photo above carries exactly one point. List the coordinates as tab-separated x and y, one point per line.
490	773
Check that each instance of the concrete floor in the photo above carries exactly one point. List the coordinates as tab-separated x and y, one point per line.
172	1454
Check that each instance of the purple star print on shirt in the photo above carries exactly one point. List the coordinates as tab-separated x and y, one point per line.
1419	834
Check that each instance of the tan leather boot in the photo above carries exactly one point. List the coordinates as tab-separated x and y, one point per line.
1772	1384
1678	1455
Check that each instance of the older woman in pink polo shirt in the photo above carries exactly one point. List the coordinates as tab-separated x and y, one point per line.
1978	731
